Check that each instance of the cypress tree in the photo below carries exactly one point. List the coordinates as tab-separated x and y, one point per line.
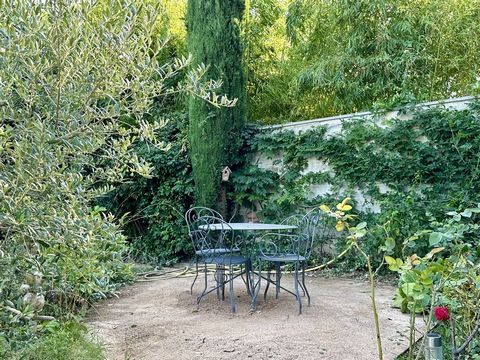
213	38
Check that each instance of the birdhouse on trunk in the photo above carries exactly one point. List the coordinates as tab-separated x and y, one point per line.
226	173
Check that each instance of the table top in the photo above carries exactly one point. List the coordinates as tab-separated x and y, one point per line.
248	226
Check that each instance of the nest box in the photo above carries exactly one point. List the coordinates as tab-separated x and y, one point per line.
226	173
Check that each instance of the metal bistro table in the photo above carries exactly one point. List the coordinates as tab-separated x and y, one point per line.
250	227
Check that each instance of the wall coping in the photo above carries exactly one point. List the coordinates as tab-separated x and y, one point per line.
367	114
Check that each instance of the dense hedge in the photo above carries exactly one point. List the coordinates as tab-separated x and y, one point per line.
153	207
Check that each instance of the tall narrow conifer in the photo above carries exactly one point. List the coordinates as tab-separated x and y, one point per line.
213	38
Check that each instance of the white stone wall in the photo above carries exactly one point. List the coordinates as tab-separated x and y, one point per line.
334	126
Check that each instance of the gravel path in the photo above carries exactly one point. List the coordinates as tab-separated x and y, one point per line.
159	320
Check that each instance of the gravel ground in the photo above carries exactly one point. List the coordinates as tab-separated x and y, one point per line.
160	320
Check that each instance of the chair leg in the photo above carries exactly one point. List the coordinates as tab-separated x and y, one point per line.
199	297
248	273
217	281
268	283
278	276
232	295
220	282
301	287
304	285
257	290
223	283
196	276
297	293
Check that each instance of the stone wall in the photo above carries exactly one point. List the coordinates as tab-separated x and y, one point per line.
334	126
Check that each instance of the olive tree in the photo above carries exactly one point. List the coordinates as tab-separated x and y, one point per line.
76	80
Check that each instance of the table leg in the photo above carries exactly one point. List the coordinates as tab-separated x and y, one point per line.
220	281
257	290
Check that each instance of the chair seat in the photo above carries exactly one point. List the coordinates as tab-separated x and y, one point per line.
282	257
216	251
226	260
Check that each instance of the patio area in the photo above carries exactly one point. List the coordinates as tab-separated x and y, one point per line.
159	320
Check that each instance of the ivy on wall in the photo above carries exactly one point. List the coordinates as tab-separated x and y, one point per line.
430	164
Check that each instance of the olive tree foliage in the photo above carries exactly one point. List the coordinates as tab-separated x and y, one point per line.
76	80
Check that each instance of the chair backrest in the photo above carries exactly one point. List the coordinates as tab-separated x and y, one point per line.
192	215
313	227
208	231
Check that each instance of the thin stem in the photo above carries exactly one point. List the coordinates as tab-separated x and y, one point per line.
434	293
374	306
412	327
456	352
452	336
58	16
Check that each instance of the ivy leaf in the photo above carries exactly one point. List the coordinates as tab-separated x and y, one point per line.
435	238
362	225
467	213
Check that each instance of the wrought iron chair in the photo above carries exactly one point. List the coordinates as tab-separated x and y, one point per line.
215	243
192	217
293	248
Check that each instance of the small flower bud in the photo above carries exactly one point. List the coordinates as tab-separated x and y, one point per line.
24	288
38	277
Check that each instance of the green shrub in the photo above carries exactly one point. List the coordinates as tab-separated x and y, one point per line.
154	207
70	341
76	79
447	274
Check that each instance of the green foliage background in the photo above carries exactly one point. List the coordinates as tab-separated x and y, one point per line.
153	208
310	58
430	164
354	55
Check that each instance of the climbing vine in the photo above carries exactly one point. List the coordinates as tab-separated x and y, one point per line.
412	170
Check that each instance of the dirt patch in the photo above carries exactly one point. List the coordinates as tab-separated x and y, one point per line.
159	320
